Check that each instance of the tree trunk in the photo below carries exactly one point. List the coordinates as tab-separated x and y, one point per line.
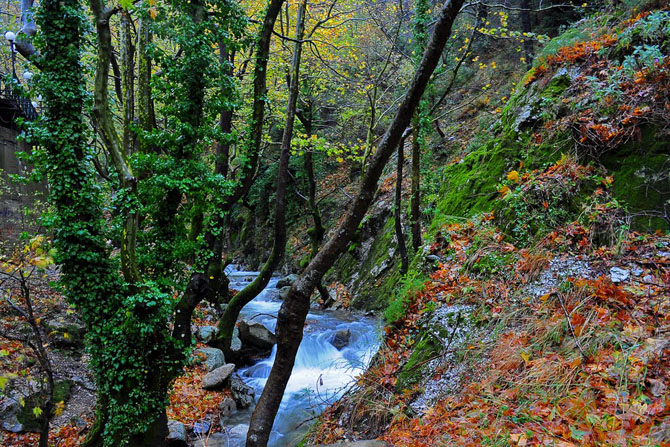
144	102
258	109
292	314
415	200
526	28
229	318
402	248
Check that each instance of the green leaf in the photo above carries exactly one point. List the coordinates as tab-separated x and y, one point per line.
3	382
577	434
37	411
4	353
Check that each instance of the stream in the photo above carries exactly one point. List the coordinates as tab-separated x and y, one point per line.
321	373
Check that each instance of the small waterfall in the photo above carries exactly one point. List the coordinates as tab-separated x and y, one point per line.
321	372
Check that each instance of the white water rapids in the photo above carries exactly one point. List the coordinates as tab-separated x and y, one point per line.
321	372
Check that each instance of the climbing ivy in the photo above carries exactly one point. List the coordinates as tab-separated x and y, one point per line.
134	353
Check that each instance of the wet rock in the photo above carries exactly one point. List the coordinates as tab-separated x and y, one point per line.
283	292
341	338
618	274
176	434
206	333
215	379
256	335
227	407
287	281
201	428
213	440
242	393
213	358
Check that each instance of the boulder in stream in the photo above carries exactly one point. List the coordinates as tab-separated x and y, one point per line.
341	338
256	335
227	407
242	393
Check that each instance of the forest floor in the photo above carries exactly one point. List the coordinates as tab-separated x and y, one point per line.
189	403
569	341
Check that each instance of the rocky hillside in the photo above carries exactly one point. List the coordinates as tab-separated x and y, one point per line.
538	312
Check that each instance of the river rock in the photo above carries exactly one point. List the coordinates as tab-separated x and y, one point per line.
256	335
213	440
242	393
176	434
341	338
213	358
215	379
287	281
227	407
201	428
206	333
283	292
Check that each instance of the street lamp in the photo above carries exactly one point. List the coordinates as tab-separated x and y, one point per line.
11	38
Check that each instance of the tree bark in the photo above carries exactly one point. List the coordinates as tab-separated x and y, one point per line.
258	109
292	314
526	28
402	248
229	318
415	199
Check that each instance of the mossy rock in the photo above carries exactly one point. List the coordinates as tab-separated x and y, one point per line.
642	179
428	347
27	416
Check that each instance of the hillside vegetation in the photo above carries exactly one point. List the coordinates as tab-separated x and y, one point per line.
539	312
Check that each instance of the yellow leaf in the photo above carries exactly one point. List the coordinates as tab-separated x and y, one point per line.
526	357
153	13
66	335
504	190
339	159
3	382
513	176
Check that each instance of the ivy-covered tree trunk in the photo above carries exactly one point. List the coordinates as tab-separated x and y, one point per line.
397	208
229	318
420	31
292	314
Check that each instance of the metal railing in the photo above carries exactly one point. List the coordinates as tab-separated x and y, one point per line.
19	105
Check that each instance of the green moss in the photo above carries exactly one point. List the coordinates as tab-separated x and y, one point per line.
641	179
426	349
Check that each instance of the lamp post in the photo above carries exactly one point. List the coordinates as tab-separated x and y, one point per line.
11	37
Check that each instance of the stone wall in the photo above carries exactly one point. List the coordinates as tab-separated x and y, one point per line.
14	199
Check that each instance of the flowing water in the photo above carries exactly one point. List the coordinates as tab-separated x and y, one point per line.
321	372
